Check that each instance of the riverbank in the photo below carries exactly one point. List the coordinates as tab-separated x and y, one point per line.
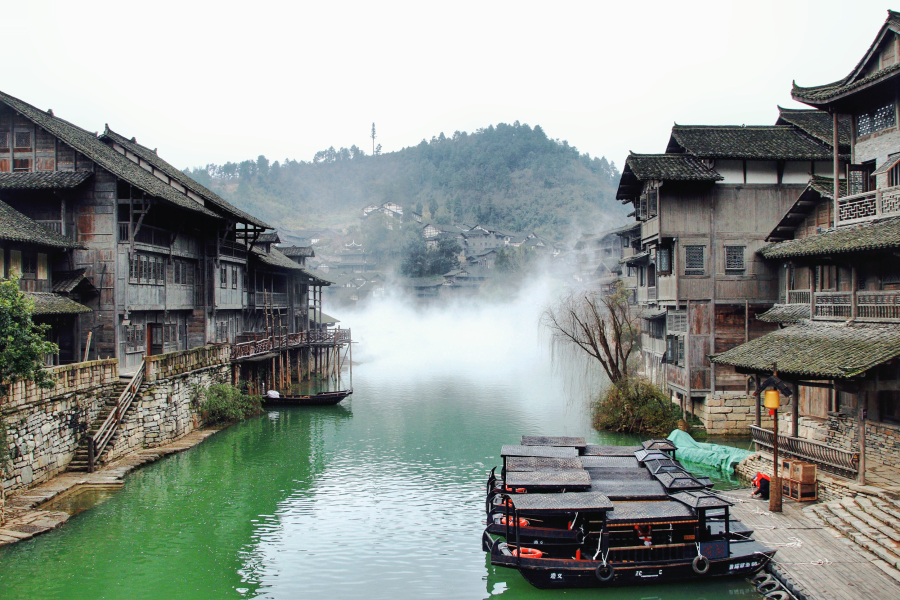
24	516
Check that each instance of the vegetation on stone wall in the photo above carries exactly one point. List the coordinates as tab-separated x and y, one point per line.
22	343
635	405
222	403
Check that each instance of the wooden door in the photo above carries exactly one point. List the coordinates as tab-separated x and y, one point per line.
154	339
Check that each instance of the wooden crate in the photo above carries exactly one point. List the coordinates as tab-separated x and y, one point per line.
787	468
799	491
803	472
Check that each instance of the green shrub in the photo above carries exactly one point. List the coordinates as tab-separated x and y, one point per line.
635	405
224	403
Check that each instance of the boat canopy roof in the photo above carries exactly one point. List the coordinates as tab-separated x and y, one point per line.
568	502
543	440
549	478
629	489
610	462
595	450
701	500
619	474
660	444
547	451
648	512
663	465
538	463
679	481
644	455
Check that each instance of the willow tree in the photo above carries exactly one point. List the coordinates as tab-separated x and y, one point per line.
603	325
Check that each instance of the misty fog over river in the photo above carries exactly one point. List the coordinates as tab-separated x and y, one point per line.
379	497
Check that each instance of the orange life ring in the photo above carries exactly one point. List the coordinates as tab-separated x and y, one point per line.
512	521
517	490
528	553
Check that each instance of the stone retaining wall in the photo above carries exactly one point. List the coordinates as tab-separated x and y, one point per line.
729	413
830	487
44	426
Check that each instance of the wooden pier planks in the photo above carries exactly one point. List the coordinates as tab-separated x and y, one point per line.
849	576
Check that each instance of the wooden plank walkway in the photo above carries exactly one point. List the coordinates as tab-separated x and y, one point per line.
817	561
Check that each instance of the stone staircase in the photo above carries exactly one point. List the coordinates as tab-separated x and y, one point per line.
80	460
871	522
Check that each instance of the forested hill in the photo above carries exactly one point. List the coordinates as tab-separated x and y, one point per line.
512	177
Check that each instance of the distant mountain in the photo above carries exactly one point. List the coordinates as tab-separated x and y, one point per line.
511	177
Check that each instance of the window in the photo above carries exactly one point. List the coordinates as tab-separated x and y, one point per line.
246	280
664	260
652	202
29	264
675	350
147	269
135	338
42	266
223	277
21	165
676	321
694	261
23	141
657	328
4	141
877	120
734	259
893	174
234	278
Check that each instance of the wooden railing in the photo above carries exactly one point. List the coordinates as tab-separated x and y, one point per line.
835	460
878	306
152	236
291	340
832	305
798	296
868	205
98	442
262	299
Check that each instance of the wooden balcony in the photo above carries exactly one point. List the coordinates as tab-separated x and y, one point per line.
832	306
831	459
874	306
277	343
270	299
868	205
798	296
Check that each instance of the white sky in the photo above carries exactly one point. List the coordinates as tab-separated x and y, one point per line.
218	81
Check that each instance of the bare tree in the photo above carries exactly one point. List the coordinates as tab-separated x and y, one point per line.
601	324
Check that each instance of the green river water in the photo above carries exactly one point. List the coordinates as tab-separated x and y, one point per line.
379	497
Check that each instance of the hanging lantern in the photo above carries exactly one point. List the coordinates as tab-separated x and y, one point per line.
772	399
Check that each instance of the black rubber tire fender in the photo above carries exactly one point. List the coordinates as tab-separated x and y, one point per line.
779	595
768	586
605	573
700	564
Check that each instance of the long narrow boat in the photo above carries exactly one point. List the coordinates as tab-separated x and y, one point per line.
320	399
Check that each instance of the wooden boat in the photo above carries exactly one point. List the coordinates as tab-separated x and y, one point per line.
320	399
626	543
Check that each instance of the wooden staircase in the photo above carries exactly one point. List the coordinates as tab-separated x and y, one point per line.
89	452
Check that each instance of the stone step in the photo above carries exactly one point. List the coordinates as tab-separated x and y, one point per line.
867	537
887	523
870	520
887	507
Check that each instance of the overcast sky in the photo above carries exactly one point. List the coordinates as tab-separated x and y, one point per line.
218	81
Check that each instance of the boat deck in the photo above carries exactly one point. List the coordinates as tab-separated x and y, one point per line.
818	564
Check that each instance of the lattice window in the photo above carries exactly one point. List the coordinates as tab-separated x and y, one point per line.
223	277
652	202
877	120
29	263
234	278
23	141
135	338
734	258
657	328
893	175
664	260
676	321
4	141
694	260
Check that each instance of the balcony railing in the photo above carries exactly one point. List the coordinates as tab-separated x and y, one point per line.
798	296
651	293
868	205
829	458
878	306
832	305
291	340
263	299
152	236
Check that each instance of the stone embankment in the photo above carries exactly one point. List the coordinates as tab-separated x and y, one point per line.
24	517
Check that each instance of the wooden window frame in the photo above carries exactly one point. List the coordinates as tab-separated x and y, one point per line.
734	249
688	248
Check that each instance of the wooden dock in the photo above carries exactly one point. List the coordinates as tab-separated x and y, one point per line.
814	561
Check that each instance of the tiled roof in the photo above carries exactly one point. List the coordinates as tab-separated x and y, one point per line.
817	189
873	235
321	317
90	145
817	123
43	180
755	142
270	237
151	157
821	94
16	227
47	303
669	167
824	350
825	186
785	314
301	251
65	282
274	258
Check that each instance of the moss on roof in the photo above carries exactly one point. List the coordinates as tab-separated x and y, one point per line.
754	142
669	167
16	227
817	349
785	314
301	251
817	123
153	158
274	258
882	234
48	303
90	145
43	180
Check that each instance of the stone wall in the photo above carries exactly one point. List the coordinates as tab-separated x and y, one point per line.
44	426
829	487
729	413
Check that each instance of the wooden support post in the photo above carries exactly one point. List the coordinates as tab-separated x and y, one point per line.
758	398
795	410
863	413
837	167
775	484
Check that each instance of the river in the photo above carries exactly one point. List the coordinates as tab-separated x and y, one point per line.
379	497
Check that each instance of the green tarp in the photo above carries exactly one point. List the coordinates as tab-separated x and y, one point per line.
714	455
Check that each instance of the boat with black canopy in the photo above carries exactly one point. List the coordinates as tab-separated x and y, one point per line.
319	399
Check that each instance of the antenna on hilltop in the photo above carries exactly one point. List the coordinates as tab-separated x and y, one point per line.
373	138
